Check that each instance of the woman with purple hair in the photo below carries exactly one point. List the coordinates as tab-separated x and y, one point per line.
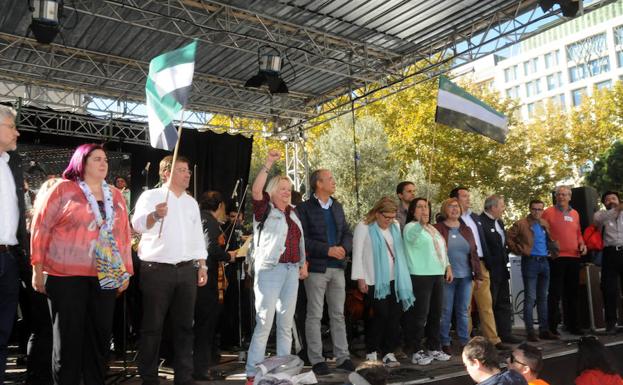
80	253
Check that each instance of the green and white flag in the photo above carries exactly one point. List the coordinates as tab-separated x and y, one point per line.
459	109
167	90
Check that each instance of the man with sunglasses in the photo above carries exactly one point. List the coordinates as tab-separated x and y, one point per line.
527	360
528	237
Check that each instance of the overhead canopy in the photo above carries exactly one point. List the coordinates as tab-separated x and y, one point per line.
328	47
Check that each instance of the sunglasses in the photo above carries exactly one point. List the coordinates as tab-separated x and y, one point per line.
512	359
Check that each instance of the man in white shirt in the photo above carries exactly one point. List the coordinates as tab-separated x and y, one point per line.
173	263
12	228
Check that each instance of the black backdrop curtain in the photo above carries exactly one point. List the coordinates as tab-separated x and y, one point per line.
221	159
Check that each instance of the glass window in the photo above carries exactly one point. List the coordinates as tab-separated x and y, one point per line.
507	75
585	48
604	84
531	108
526	68
537	86
620	57
578	95
551	82
530	89
534	63
559	77
618	35
549	60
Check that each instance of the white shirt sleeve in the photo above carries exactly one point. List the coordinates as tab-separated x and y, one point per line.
143	208
359	237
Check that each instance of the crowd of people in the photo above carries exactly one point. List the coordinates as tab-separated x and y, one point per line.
414	275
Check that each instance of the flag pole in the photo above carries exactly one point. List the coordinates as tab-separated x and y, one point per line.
175	151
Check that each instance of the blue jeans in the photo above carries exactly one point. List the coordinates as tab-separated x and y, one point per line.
275	289
456	296
535	274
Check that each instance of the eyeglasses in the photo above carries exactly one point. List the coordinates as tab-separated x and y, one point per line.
184	171
535	209
513	360
388	217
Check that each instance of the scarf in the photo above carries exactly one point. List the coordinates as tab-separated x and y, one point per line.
402	279
111	271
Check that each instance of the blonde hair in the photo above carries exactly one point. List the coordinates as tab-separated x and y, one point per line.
273	183
448	202
383	205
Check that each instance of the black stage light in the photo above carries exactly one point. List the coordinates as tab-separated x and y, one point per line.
269	73
569	8
45	19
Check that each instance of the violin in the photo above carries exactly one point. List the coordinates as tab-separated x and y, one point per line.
222	282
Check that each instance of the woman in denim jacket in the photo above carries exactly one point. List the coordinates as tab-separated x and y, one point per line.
279	263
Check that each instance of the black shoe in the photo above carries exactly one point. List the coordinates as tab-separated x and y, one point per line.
548	335
321	369
502	346
346	365
511	339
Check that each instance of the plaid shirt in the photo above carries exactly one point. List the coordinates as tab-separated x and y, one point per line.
292	253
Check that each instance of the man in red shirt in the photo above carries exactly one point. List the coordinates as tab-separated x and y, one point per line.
564	224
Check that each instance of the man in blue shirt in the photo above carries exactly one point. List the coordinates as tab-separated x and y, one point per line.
528	237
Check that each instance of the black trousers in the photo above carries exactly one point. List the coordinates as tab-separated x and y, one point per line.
167	289
564	281
9	291
82	321
611	278
383	327
423	318
207	314
40	342
501	304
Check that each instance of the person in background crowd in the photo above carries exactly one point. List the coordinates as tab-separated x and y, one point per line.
81	241
210	297
381	272
328	241
173	264
122	185
279	263
611	220
480	293
564	224
528	238
427	260
527	360
461	250
406	193
495	238
595	364
481	362
13	235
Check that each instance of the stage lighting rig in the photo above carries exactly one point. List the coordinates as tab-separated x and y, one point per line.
270	63
45	23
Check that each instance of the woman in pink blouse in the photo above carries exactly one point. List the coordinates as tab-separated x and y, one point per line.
80	253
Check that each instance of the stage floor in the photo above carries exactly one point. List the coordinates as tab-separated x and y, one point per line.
559	366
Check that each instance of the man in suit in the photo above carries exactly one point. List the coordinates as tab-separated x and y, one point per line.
495	238
12	228
481	293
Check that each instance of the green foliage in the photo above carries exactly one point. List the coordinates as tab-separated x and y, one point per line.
334	151
607	174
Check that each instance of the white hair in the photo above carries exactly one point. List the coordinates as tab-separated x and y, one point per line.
7	112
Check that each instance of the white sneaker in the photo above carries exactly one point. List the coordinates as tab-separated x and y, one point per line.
421	358
438	355
372	357
390	361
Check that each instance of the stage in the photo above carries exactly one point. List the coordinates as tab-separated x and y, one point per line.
559	368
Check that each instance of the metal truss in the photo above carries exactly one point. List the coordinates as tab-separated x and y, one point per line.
297	167
501	30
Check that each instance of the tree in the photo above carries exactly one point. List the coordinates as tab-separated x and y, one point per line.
377	174
607	174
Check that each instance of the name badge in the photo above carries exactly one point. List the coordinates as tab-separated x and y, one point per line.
568	218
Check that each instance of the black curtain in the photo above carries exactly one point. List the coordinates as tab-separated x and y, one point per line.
221	159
